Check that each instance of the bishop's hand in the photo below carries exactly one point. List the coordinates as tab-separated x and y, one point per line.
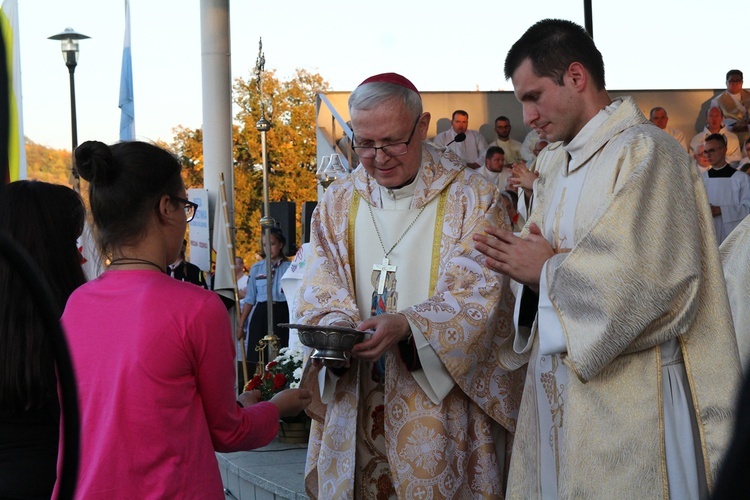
389	330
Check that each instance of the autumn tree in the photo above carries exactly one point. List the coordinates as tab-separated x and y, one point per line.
47	164
188	146
291	147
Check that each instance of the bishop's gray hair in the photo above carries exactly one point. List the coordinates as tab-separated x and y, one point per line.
370	95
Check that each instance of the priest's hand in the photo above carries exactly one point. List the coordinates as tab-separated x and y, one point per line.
520	258
389	330
522	177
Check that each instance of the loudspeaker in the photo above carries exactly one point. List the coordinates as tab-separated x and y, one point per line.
307	211
285	215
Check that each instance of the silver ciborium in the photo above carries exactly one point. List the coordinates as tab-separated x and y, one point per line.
329	342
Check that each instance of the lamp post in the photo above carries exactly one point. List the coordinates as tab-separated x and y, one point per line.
69	41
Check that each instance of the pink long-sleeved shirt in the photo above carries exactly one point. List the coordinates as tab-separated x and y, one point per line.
154	364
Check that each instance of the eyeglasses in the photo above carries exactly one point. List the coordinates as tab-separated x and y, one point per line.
190	208
395	149
734	80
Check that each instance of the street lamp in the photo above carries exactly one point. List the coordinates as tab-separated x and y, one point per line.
69	41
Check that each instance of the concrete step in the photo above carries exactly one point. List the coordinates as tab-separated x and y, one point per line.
272	472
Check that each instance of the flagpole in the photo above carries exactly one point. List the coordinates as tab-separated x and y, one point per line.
230	259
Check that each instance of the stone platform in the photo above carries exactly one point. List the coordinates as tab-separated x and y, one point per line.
270	473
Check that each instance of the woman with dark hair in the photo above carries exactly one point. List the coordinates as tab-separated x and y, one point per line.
256	298
153	355
45	220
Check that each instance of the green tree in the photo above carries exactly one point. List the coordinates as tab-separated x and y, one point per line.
291	147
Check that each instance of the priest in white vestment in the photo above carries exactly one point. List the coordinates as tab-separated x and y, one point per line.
471	147
734	102
658	116
728	189
715	125
513	148
494	169
735	259
624	316
423	410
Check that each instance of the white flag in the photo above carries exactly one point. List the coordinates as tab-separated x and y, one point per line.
224	280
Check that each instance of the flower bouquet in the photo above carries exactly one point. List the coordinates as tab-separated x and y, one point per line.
284	372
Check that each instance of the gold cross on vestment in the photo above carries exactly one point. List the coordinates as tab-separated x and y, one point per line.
384	269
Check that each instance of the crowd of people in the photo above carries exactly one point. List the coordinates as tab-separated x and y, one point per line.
726	121
546	319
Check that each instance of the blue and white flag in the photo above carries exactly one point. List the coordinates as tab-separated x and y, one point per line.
127	106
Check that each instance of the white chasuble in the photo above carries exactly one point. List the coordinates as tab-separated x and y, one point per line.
552	376
735	258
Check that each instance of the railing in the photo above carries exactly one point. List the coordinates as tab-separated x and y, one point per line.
327	122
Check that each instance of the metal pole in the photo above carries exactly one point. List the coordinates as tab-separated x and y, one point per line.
267	222
73	122
69	45
588	18
270	341
71	64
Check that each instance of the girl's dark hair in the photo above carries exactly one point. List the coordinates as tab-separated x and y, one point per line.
46	220
127	180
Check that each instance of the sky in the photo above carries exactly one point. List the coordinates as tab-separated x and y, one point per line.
440	45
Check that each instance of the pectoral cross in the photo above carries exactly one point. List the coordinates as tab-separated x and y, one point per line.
384	269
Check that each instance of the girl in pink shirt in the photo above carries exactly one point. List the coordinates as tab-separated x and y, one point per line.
153	356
